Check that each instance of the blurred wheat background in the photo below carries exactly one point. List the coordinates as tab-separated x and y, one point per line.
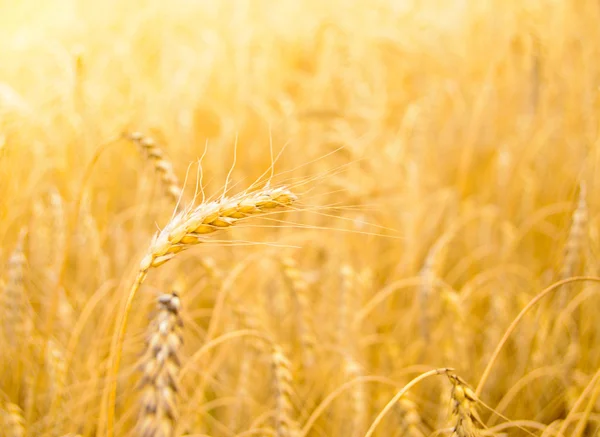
444	156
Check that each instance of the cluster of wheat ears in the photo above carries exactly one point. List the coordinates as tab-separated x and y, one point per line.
300	219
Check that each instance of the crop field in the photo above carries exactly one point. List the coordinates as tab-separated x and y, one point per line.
285	218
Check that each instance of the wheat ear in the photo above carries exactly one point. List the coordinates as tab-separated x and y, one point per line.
15	302
59	229
345	299
299	288
160	366
428	275
411	420
358	421
162	165
575	241
186	229
13	419
57	375
285	425
463	408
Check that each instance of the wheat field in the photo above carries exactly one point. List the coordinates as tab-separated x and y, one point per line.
354	218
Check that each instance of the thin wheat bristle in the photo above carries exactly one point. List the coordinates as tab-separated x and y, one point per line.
160	367
285	425
162	165
464	402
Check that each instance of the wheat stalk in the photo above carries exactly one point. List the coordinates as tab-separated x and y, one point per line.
161	363
186	229
162	165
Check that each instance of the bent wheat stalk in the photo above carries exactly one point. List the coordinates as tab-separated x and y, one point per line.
185	230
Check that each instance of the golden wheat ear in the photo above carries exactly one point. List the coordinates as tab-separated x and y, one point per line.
160	368
17	314
12	420
299	289
190	227
162	165
412	423
464	401
285	425
576	241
